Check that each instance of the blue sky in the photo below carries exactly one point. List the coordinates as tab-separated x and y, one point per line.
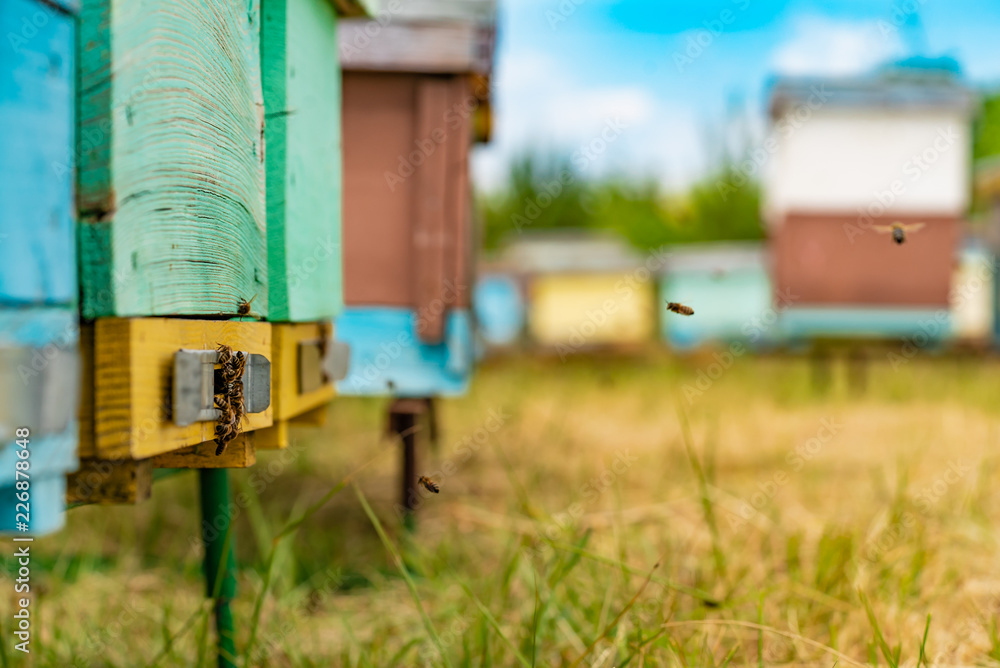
666	72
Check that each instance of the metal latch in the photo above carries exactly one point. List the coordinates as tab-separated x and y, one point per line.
320	362
194	385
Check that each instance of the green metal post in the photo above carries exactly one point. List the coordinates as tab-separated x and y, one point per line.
220	559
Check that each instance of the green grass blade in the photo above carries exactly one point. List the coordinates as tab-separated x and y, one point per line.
406	575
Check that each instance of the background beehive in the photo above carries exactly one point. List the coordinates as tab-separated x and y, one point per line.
38	326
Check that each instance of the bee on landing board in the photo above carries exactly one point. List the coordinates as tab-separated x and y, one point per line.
243	308
429	484
680	308
898	230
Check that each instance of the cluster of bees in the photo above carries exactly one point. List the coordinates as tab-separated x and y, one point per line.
230	400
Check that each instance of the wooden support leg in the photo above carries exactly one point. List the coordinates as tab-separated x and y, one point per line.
403	415
821	371
857	370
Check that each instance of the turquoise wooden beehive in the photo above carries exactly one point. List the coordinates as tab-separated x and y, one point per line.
300	75
171	158
38	287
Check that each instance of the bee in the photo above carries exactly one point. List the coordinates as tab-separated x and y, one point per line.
680	308
429	484
225	354
243	308
898	230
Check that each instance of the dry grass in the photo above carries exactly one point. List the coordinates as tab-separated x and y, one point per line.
537	549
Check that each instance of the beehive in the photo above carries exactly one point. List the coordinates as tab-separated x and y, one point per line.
728	286
585	291
415	95
39	357
847	155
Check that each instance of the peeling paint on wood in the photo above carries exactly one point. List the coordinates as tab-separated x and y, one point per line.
171	157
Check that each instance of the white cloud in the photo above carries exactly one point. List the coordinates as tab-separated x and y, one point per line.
540	107
820	46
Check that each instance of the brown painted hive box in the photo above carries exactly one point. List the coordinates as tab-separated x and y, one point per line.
846	156
823	259
415	95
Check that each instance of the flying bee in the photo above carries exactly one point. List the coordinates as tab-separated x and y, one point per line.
680	308
429	484
898	230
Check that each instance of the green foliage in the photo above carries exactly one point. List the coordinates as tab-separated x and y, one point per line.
986	142
547	194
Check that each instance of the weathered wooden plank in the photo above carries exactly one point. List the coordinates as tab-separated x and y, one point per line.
37	242
431	241
239	454
107	481
383	156
439	48
170	150
479	11
133	366
287	397
387	357
301	82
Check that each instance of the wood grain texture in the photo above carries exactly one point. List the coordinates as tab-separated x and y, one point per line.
301	81
286	400
239	454
389	158
37	242
133	366
110	482
171	157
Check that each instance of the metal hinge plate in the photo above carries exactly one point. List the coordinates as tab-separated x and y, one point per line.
194	385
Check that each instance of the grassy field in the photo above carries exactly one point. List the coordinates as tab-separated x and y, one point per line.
598	512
